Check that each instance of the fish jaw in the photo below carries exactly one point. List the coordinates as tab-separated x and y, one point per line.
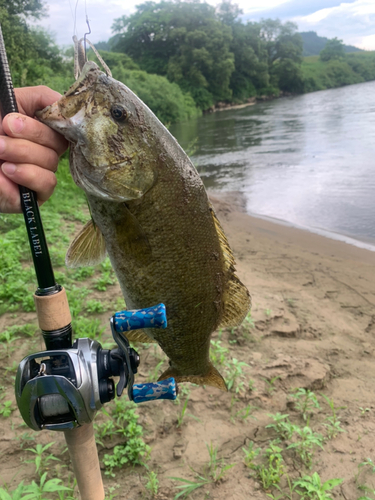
111	159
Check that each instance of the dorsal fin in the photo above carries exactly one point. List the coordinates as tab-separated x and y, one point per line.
87	248
237	300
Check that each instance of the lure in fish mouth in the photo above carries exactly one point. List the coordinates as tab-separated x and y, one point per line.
151	214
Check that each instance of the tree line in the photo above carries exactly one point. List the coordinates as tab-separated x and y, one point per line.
184	57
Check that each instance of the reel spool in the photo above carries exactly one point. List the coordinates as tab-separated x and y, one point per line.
63	389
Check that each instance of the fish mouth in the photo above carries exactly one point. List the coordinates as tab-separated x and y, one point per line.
97	187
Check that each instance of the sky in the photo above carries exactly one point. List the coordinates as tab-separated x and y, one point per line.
352	21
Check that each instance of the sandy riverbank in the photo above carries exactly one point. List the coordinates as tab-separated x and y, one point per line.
313	327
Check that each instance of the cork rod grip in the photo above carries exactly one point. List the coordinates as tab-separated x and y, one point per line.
85	461
53	311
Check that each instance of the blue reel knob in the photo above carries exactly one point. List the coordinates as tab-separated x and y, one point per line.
151	317
165	389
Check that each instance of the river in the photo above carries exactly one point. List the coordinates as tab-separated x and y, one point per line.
307	160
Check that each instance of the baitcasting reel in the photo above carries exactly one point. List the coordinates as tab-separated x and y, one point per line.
62	389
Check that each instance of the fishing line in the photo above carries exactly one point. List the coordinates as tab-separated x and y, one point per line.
75	19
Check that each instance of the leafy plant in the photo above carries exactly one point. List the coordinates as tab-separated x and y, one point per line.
134	450
306	403
41	461
270	473
214	471
235	375
332	423
306	442
152	484
250	454
314	489
6	409
283	427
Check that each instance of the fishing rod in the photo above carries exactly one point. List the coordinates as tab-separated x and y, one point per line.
62	388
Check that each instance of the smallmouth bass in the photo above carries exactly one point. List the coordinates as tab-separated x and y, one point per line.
151	214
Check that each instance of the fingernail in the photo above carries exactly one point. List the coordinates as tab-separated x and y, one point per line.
2	146
8	168
16	125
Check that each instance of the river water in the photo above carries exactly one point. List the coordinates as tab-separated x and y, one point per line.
307	160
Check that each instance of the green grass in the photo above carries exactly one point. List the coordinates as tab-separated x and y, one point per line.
356	67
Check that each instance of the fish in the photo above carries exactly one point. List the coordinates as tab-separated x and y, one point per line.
151	214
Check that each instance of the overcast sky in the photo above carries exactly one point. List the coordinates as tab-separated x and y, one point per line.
353	21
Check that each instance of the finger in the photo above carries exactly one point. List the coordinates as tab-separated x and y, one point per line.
31	99
9	196
42	181
22	151
21	126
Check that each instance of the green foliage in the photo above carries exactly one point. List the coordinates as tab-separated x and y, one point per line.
314	44
41	461
305	402
166	99
334	49
305	444
152	484
6	409
314	489
214	472
134	450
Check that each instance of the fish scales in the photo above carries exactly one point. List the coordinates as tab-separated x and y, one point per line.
152	214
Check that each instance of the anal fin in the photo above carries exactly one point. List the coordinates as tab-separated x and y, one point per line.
138	336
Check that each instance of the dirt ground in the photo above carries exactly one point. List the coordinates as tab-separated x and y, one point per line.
314	327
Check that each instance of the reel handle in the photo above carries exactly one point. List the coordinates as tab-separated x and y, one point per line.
164	389
151	317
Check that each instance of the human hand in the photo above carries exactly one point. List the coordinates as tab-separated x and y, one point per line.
29	153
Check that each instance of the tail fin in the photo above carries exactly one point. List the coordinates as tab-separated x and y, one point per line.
212	378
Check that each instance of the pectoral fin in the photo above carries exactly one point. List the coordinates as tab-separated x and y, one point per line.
88	248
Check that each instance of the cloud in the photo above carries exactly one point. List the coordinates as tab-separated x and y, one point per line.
354	23
101	13
293	8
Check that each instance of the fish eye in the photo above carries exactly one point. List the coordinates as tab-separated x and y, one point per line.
119	113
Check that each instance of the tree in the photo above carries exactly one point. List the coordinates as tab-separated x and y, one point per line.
32	53
184	41
284	49
334	49
250	60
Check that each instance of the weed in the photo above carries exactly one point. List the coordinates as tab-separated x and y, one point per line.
82	273
218	353
270	473
41	461
314	489
88	327
270	384
6	409
283	427
234	375
364	411
95	306
333	423
152	484
180	417
213	472
245	413
305	445
306	403
103	281
134	450
250	454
